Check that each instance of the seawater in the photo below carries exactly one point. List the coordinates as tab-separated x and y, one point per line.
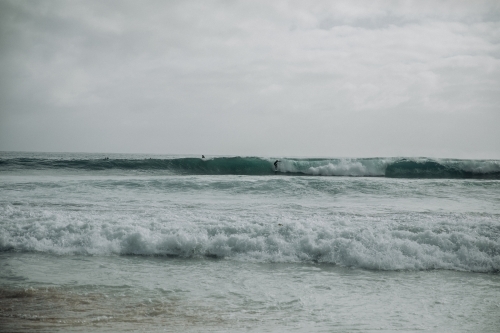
92	242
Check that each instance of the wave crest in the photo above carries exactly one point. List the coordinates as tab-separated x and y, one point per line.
362	167
380	247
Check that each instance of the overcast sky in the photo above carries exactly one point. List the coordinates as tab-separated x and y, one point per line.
265	78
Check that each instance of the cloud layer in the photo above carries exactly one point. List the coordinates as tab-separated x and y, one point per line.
316	78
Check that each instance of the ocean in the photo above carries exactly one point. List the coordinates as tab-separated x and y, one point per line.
153	243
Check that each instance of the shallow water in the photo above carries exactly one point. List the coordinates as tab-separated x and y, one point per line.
160	250
160	294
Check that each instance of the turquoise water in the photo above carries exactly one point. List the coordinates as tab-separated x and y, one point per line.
229	244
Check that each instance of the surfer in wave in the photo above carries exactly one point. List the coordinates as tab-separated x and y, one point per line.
276	165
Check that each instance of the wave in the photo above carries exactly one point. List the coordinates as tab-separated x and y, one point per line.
362	167
472	244
406	168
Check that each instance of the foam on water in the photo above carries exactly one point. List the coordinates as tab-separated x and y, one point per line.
471	242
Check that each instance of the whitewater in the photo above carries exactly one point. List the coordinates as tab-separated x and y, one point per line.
95	242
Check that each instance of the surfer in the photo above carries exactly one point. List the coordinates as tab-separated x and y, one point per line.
202	156
276	165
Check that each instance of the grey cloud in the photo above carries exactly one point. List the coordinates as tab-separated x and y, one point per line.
315	78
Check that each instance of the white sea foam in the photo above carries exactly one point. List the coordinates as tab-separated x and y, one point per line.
378	247
342	169
338	167
475	166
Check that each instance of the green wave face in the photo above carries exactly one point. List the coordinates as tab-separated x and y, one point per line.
221	166
214	166
457	169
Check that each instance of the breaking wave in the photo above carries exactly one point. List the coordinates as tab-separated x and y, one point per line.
469	245
362	167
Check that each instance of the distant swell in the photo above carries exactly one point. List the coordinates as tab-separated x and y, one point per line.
362	167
